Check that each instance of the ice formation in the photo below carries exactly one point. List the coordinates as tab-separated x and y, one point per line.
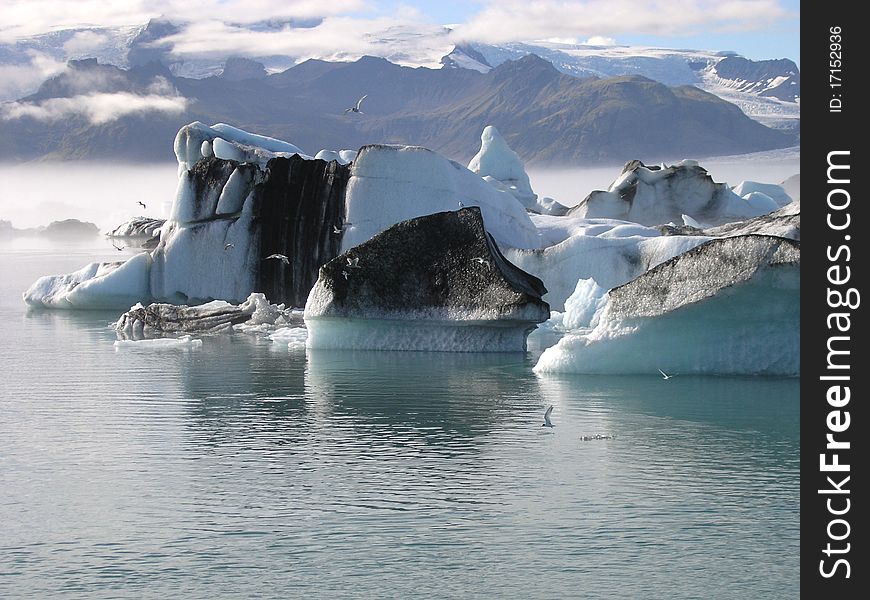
184	342
391	184
217	316
730	306
400	248
137	227
609	251
198	140
776	193
436	282
661	194
500	166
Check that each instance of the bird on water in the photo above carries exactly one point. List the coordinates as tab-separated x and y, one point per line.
547	422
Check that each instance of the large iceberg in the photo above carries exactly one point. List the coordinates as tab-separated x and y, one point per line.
729	306
437	282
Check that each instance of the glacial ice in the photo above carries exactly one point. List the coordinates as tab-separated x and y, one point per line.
96	286
731	306
658	195
229	210
436	282
158	319
391	184
775	192
502	168
185	342
610	251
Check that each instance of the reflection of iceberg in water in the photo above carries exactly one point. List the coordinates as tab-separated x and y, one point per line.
428	394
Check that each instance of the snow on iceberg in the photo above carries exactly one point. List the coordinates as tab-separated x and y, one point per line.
391	184
730	306
436	282
198	140
661	194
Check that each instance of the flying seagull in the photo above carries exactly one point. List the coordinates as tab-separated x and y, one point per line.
353	263
356	108
336	230
481	260
118	248
142	204
228	246
547	422
665	375
280	257
344	274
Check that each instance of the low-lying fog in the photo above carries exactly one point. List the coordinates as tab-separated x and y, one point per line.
108	194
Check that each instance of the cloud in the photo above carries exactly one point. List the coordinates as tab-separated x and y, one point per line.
600	40
97	108
397	38
515	20
17	80
31	17
83	42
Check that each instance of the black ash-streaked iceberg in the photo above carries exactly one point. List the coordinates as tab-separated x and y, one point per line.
729	306
653	195
435	283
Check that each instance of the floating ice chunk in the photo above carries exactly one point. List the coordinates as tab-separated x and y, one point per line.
96	286
776	192
185	343
293	337
436	283
206	149
761	202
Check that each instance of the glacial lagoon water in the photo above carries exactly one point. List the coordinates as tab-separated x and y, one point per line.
243	469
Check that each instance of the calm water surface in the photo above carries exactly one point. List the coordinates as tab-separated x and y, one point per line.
244	469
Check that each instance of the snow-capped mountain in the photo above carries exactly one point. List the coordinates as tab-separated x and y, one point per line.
766	90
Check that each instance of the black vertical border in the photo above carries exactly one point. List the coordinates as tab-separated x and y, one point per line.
824	131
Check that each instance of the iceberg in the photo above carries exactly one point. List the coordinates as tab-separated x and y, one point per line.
435	283
391	184
653	195
502	168
729	307
218	316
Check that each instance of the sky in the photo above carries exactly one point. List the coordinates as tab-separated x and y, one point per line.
410	32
